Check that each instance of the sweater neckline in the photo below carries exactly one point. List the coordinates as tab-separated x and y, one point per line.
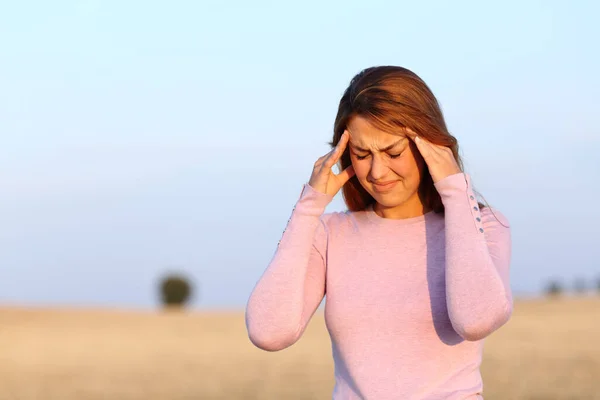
374	217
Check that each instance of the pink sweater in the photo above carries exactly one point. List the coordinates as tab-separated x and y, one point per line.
408	301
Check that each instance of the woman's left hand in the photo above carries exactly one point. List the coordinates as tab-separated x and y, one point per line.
439	159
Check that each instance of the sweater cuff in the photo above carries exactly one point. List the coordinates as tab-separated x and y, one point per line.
312	202
452	185
457	195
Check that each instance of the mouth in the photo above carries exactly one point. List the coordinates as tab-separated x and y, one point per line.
384	186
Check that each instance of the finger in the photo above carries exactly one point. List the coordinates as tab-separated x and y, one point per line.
422	146
339	150
411	134
345	175
321	159
443	150
426	143
325	157
439	152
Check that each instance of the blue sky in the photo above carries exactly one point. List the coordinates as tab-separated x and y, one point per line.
141	137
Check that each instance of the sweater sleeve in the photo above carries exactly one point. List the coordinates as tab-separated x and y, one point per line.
293	284
478	252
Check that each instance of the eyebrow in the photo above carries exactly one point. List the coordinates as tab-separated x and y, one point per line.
384	149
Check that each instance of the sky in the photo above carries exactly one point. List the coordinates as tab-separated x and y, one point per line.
143	137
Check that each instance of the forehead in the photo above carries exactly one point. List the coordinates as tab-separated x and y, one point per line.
363	132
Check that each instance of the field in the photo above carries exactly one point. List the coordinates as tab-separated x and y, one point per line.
549	350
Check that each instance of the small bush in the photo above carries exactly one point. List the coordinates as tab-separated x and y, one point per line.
554	289
175	290
580	286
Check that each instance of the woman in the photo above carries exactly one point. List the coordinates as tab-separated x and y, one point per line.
416	272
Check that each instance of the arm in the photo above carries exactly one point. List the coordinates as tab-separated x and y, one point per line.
293	285
478	251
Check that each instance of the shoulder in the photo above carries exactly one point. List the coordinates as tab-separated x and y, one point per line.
334	218
342	220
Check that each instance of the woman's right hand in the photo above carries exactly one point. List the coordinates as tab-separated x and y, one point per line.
323	179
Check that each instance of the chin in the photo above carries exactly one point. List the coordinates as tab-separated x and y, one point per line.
389	200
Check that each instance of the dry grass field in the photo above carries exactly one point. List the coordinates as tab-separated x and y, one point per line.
549	350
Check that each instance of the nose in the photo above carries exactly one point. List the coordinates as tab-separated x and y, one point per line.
379	168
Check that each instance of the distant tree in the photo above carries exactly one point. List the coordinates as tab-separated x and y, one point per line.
554	288
579	286
175	290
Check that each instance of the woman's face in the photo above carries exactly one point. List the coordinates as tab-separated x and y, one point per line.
388	166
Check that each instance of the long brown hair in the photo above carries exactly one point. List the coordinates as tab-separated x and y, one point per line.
392	98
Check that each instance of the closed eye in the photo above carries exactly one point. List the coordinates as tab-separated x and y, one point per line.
366	155
359	157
